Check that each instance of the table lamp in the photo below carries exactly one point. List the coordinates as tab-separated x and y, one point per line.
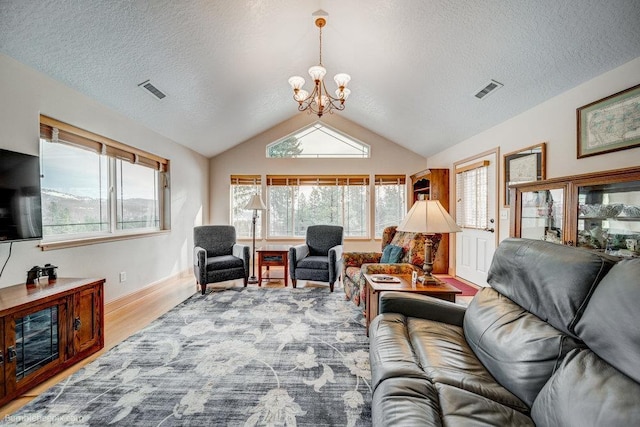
256	204
428	217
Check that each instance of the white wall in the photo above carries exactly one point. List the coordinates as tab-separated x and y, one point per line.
250	158
25	94
553	122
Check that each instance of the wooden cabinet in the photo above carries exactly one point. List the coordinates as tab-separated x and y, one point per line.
45	328
598	211
433	184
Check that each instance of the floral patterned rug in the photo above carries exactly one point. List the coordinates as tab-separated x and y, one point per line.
234	357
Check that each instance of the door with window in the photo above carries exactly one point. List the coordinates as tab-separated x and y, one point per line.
476	206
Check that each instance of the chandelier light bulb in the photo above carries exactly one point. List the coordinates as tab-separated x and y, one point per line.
296	82
301	95
342	80
317	72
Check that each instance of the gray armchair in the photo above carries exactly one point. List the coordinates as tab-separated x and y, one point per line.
320	258
217	257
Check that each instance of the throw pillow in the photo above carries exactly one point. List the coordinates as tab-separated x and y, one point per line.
391	254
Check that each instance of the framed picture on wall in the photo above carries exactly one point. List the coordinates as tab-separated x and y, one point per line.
525	165
609	124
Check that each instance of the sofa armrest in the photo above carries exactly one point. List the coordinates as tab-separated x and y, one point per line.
421	306
200	264
356	259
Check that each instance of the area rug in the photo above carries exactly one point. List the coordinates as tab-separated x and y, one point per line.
467	290
234	357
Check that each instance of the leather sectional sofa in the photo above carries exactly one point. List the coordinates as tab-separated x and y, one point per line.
555	341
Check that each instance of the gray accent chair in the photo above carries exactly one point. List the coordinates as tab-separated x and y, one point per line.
217	257
320	258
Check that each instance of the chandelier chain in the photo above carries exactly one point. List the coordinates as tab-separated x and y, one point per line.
320	45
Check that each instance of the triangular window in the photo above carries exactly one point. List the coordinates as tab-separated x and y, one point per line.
318	141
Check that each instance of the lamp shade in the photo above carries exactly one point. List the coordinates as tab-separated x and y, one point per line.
256	203
428	217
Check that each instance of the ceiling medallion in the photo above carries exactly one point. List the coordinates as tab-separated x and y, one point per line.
319	101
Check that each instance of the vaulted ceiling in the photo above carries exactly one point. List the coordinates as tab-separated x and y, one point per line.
415	64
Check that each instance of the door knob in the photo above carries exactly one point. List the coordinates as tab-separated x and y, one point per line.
490	230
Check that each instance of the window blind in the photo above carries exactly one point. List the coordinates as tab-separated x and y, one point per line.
317	180
390	179
246	179
472	204
55	131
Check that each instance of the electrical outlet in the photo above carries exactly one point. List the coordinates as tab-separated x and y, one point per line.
123	276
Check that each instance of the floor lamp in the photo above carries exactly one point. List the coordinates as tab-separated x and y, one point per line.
256	204
428	217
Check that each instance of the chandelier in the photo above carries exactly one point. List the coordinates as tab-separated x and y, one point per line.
319	101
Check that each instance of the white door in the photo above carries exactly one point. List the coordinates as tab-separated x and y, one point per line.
476	206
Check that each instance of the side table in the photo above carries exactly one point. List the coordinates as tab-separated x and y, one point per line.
436	288
273	255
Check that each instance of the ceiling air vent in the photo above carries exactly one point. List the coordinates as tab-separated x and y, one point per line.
489	88
151	89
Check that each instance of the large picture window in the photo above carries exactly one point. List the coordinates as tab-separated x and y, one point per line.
242	188
295	202
391	201
93	186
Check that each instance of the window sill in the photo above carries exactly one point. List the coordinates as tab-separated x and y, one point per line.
63	244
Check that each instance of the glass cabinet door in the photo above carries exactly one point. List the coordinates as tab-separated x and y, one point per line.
36	341
608	218
542	215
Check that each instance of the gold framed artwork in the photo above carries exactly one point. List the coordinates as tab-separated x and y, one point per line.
609	124
525	165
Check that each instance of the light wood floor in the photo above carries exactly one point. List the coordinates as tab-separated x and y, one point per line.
119	324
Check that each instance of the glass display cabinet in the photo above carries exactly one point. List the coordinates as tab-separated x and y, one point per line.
609	218
598	211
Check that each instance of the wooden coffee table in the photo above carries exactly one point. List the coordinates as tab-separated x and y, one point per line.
273	255
435	288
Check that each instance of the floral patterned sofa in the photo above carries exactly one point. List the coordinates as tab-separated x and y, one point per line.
355	264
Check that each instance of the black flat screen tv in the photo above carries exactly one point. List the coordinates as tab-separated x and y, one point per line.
20	203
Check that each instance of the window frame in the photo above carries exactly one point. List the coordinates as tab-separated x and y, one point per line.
55	131
396	180
477	221
246	180
363	152
295	181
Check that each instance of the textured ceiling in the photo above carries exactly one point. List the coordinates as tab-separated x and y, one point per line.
415	64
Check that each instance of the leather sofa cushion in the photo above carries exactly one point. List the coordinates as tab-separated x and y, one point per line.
405	402
463	408
517	348
224	262
390	352
549	280
446	358
610	325
314	262
587	391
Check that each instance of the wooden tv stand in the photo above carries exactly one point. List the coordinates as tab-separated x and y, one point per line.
45	328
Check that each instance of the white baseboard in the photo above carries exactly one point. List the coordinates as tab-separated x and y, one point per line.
178	279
